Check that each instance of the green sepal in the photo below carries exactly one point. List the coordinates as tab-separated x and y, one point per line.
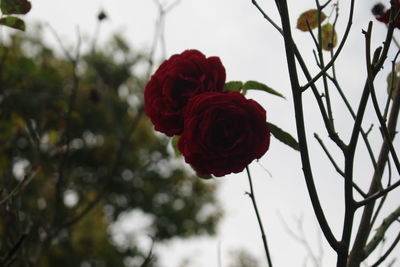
233	86
283	136
174	143
204	176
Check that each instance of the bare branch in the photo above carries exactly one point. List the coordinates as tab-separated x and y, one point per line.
363	133
8	259
254	2
378	195
380	232
20	186
388	252
298	105
365	224
337	168
331	159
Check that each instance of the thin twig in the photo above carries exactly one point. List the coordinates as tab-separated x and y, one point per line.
331	159
316	43
68	119
350	153
380	232
392	87
20	186
382	200
337	168
254	2
386	44
253	200
350	109
377	195
341	45
8	260
388	252
333	36
298	106
388	136
159	32
60	42
322	65
324	5
364	228
332	134
301	238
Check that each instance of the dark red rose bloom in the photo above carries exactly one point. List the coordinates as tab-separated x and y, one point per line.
175	82
223	133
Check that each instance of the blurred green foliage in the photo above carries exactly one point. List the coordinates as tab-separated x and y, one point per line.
77	152
243	258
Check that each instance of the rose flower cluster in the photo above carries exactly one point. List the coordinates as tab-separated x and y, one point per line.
220	131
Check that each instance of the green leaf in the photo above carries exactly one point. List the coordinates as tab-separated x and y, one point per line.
174	143
19	7
233	86
329	37
283	136
13	22
254	85
309	20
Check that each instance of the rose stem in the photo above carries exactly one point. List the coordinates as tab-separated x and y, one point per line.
253	200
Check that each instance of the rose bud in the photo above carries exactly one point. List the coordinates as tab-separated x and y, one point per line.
378	9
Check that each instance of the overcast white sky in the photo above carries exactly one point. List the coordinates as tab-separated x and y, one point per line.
250	49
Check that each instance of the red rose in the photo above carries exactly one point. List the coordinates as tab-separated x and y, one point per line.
175	82
223	133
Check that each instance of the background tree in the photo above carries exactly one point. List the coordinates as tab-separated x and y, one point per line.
76	152
243	258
